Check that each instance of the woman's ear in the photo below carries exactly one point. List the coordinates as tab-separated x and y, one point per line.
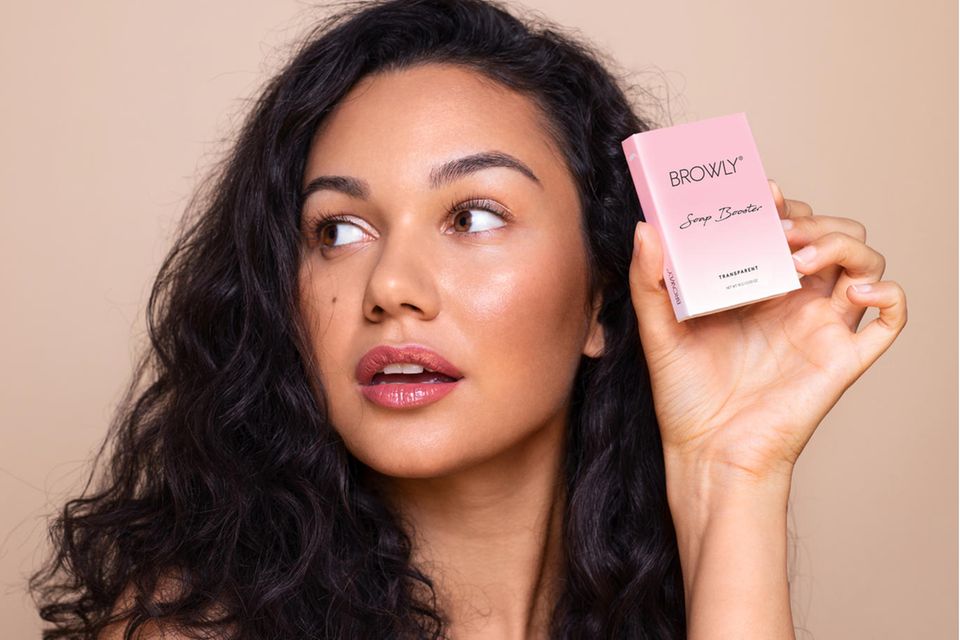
594	345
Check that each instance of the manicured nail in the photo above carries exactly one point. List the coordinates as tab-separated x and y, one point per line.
862	288
637	238
776	188
805	255
787	223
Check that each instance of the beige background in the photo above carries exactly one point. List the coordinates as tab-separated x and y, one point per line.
111	111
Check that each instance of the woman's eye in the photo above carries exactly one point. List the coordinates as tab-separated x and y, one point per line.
463	220
332	232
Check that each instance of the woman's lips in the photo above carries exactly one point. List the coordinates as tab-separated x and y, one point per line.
394	395
377	358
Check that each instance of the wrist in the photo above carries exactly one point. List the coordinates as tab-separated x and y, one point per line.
704	483
705	494
731	534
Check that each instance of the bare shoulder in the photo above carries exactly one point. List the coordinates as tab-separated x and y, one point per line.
148	631
168	587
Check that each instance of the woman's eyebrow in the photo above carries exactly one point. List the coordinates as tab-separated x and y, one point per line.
439	176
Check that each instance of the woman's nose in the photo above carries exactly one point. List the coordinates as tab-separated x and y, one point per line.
403	278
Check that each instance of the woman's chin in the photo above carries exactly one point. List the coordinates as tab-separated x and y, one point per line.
412	458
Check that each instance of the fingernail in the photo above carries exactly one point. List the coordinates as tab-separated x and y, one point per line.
787	223
637	238
862	288
805	255
776	187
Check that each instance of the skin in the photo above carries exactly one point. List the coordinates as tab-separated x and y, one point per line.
738	394
478	472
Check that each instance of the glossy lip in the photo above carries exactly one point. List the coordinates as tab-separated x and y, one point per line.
382	355
406	396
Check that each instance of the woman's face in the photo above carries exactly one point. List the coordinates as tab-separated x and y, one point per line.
504	300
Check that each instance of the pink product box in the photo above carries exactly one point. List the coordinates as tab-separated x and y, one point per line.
702	187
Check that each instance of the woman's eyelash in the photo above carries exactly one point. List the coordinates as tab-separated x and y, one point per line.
324	221
479	203
458	206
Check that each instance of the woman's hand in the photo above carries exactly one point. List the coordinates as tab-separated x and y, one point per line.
743	390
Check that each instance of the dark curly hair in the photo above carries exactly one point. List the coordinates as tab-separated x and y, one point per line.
224	468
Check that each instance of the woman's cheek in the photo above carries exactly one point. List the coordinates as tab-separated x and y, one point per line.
523	335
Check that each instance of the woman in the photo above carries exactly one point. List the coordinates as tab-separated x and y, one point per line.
415	373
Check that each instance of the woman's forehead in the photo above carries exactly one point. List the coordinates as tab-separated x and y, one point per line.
416	118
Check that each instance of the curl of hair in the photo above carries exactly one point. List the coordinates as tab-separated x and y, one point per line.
226	474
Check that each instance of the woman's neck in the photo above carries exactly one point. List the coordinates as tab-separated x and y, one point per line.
490	536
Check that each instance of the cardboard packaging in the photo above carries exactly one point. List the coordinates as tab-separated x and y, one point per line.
703	188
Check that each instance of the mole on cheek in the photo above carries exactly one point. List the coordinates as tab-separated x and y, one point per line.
334	299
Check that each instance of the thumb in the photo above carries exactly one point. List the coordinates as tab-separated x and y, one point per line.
657	323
